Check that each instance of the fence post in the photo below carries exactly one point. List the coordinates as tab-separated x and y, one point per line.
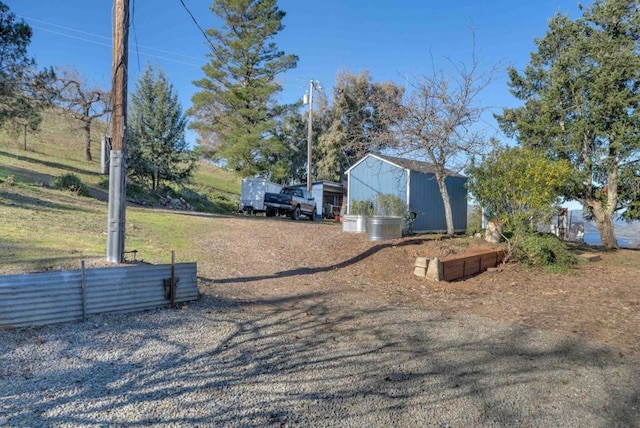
84	293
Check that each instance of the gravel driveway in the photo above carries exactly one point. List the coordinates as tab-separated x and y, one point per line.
307	361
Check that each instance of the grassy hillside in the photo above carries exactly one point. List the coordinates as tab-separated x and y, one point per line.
58	148
44	228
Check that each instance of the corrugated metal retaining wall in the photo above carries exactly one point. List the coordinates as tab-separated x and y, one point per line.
52	297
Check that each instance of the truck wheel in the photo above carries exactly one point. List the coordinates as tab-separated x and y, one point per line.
270	212
295	213
312	217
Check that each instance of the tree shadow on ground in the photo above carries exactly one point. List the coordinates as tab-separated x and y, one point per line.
308	361
24	158
314	270
29	202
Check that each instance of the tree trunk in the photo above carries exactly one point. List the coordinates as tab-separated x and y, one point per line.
604	221
447	204
603	211
86	128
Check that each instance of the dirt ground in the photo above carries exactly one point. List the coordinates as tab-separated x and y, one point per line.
598	301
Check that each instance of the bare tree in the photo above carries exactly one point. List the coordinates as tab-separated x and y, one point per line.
438	121
84	102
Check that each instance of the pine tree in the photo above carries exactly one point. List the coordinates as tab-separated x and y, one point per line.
157	150
234	111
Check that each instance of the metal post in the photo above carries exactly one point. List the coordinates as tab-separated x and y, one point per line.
116	208
105	150
25	136
117	168
84	293
309	137
172	291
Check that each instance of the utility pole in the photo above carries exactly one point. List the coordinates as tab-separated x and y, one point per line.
312	84
117	165
309	137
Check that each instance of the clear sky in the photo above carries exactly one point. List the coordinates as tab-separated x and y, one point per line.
393	40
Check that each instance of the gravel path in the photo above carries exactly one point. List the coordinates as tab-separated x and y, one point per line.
308	360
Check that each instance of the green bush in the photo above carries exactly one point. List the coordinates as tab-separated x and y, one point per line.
390	205
545	250
70	182
362	207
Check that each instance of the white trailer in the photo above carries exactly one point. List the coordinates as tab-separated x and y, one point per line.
252	194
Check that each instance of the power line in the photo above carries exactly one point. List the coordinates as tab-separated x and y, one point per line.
109	46
199	27
107	38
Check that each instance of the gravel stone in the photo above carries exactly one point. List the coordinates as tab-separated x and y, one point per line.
308	361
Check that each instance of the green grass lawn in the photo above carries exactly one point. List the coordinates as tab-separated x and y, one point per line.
43	228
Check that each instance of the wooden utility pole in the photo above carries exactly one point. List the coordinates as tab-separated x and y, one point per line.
117	169
119	72
309	137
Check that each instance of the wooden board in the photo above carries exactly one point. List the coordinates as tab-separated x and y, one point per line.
470	265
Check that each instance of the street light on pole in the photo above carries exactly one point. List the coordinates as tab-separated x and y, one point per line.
312	84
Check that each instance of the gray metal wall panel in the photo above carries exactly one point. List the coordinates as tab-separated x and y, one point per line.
51	297
37	299
373	177
425	199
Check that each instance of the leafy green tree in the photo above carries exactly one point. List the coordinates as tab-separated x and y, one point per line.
290	166
520	190
581	93
157	151
519	187
234	112
361	120
24	92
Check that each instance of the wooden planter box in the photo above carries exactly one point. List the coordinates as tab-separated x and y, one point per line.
450	270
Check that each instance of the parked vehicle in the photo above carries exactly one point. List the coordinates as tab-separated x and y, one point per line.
252	194
292	202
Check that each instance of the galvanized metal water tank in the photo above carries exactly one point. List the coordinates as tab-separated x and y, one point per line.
354	223
381	228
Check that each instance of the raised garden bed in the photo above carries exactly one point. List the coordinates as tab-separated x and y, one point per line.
459	267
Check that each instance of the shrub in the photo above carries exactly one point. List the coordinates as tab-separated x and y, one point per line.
390	205
70	182
545	250
362	207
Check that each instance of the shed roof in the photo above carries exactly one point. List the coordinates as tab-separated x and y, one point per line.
410	164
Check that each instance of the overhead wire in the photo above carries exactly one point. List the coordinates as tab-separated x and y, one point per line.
181	57
204	33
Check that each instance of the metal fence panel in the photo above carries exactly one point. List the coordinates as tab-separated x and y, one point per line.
52	297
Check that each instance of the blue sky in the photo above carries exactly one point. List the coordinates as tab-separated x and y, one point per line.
392	40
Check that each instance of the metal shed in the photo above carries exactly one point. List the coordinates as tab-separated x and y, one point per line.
412	181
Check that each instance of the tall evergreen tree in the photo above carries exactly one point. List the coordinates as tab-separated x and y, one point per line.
234	111
581	93
24	92
157	151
